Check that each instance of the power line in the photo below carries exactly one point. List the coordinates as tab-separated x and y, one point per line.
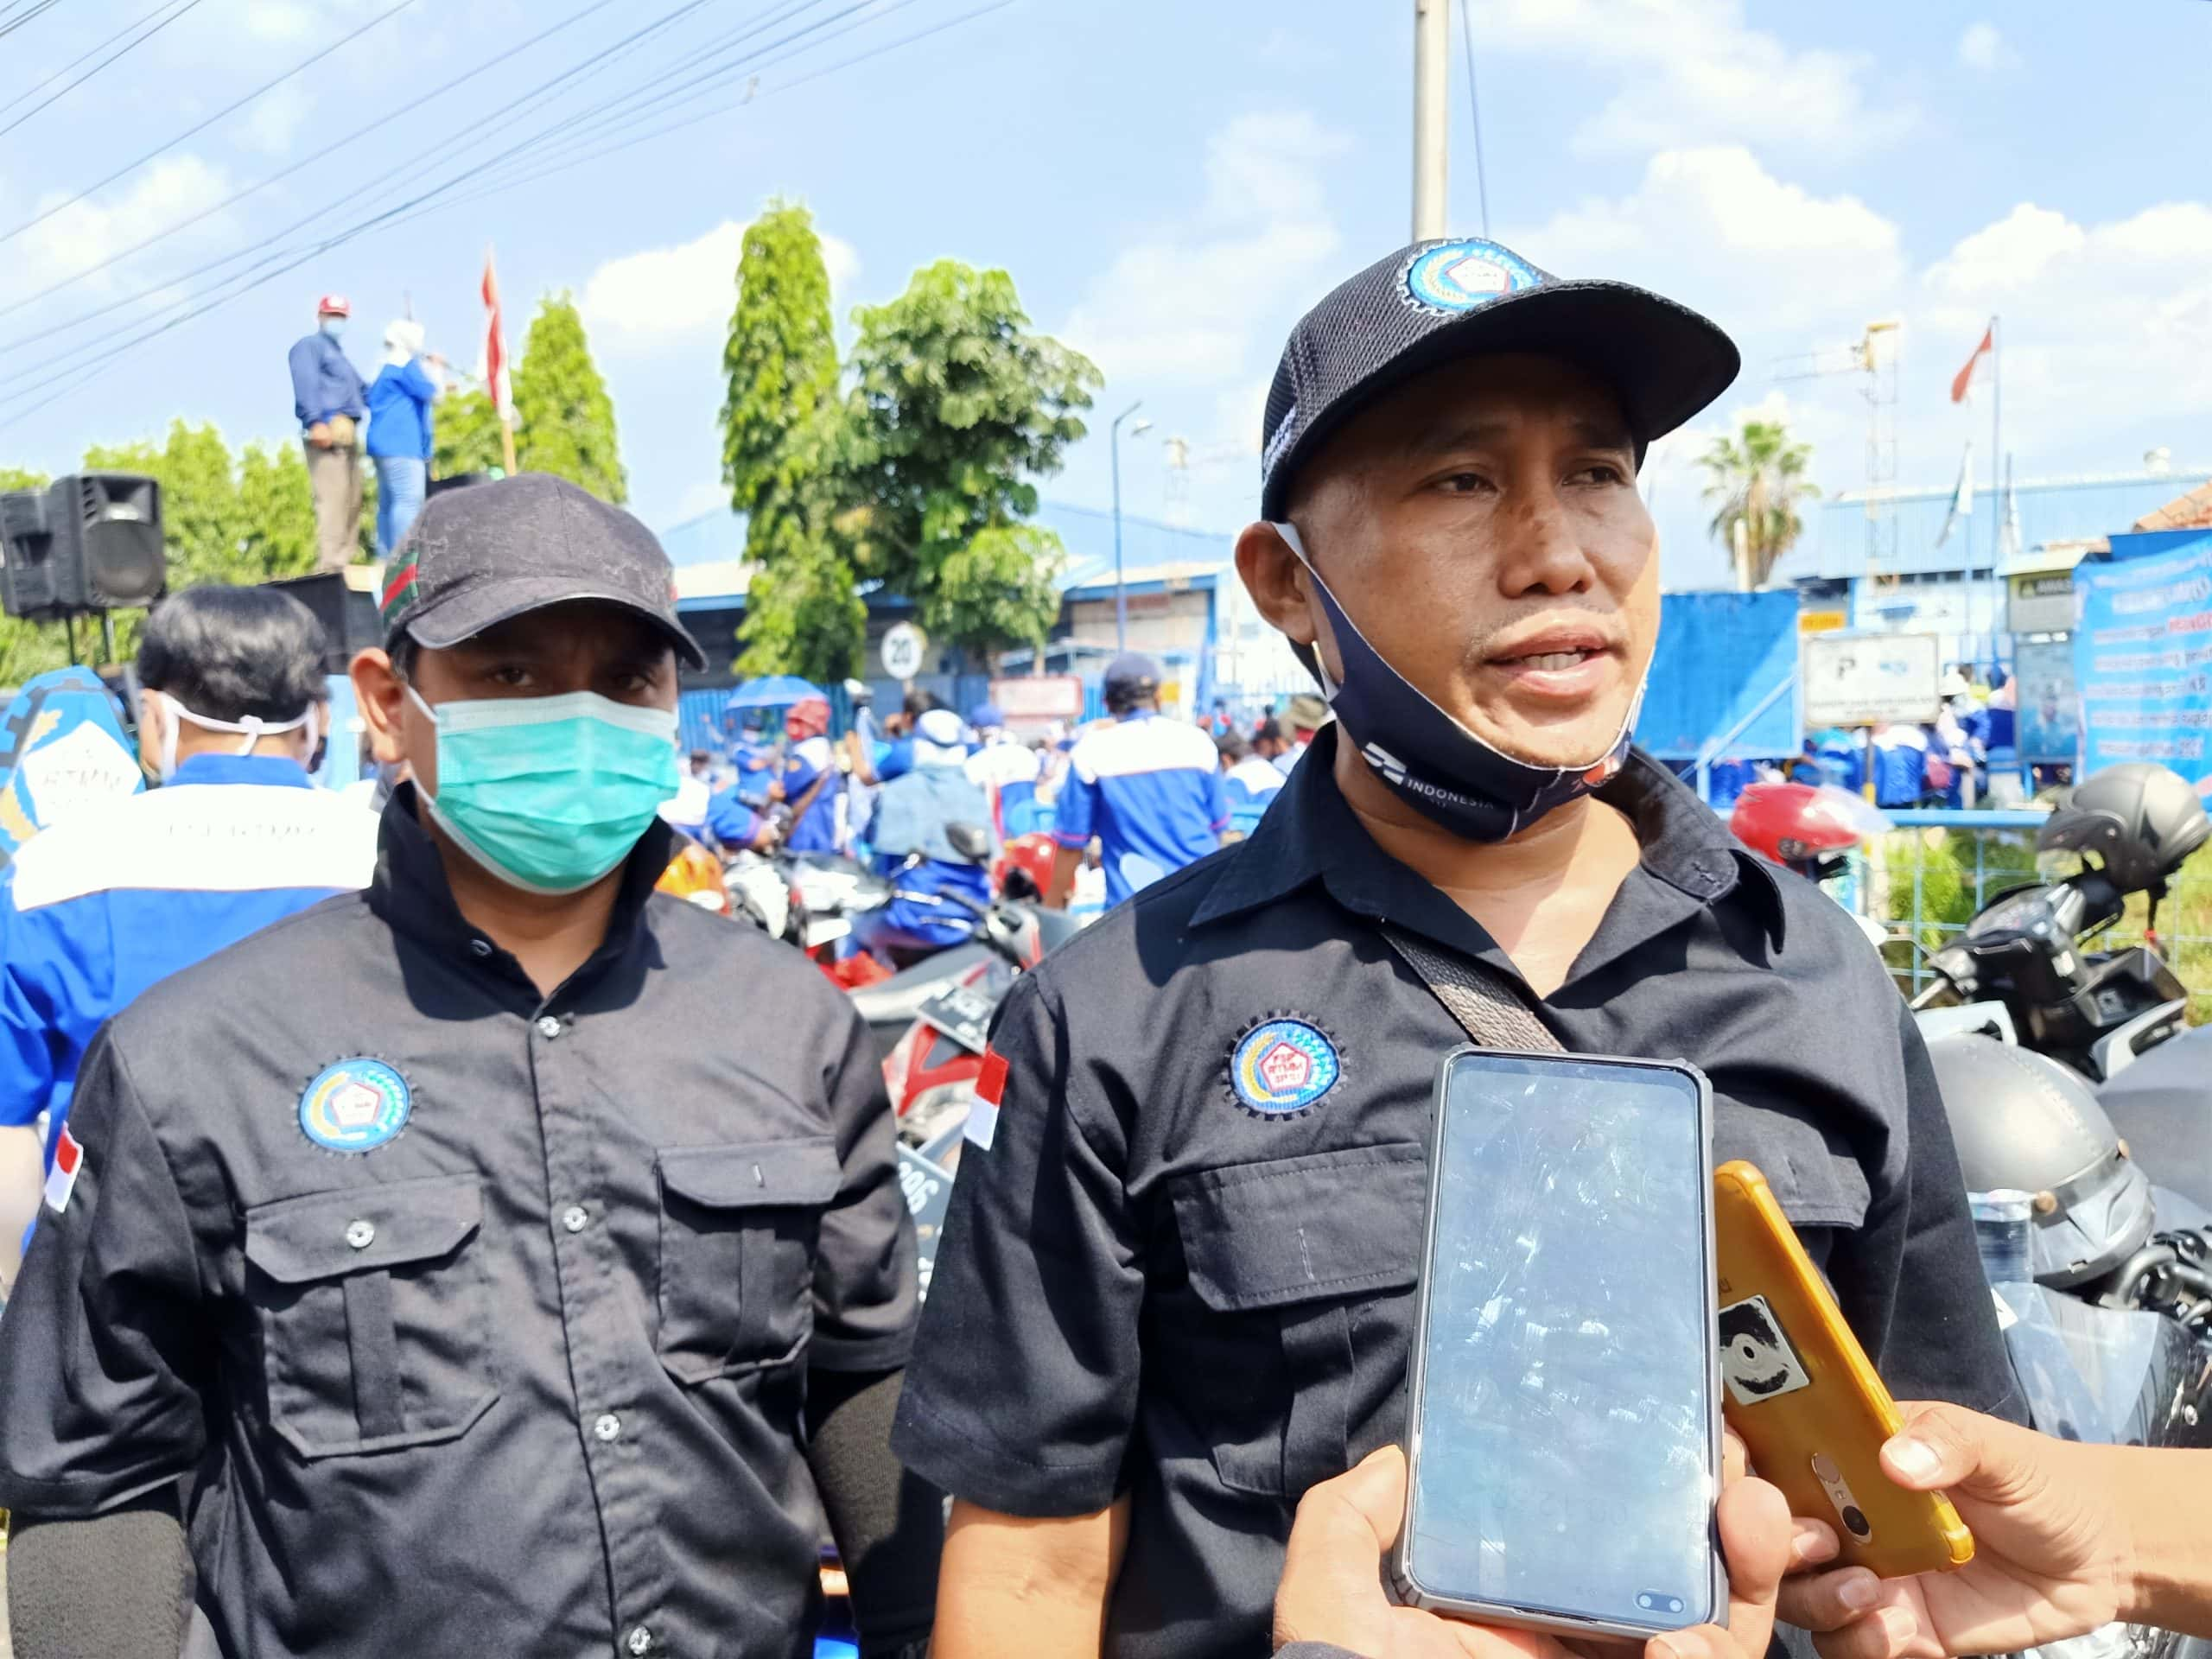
91	51
81	374
123	51
193	131
631	141
1475	113
37	8
261	184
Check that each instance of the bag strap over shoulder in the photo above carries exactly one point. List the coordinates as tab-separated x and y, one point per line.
1489	1007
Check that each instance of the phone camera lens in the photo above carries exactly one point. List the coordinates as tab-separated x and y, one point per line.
1855	1522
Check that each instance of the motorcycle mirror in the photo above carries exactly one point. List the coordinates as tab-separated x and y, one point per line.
972	842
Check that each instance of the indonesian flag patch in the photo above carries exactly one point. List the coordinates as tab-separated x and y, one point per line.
62	1180
991	1089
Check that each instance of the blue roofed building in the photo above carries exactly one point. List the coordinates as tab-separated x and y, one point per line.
1879	560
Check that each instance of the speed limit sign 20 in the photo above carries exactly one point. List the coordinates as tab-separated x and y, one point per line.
904	648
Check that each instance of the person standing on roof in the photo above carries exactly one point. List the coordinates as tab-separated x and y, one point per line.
1147	787
330	401
399	402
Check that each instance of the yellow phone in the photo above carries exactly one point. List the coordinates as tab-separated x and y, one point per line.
1802	1395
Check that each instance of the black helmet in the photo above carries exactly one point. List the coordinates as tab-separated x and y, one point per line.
2140	819
2022	1121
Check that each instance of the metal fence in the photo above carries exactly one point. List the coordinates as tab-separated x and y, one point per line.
1928	878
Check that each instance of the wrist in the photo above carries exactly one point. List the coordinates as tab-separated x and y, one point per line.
2162	1502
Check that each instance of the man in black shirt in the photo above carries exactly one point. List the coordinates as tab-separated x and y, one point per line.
1175	1286
505	1261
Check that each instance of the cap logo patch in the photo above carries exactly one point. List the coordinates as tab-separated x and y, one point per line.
398	589
1282	1066
1456	276
355	1105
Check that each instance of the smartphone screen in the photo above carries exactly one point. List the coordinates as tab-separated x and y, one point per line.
1566	1451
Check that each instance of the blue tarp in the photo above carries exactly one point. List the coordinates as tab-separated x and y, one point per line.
2143	654
1718	655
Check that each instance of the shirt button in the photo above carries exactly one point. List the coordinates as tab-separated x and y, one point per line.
361	1234
639	1640
607	1427
549	1027
481	947
575	1218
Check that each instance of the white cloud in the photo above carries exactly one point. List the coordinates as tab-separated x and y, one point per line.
1184	305
650	301
699	500
1983	49
275	121
279	20
1714	228
1694	71
86	232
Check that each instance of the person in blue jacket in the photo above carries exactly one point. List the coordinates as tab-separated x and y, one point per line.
913	816
328	398
809	783
111	899
399	401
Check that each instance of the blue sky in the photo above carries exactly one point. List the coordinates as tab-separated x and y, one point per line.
1171	182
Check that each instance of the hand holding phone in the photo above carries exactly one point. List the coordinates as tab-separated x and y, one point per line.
1804	1398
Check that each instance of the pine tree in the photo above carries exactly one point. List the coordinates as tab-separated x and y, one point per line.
564	421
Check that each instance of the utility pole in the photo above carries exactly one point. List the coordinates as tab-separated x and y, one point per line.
1114	449
1431	58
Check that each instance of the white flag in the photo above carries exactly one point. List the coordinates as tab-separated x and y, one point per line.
1961	497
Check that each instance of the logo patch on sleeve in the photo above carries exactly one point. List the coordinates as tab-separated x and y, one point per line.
355	1105
1283	1064
62	1180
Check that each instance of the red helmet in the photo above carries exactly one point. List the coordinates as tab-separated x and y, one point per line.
1030	855
1791	823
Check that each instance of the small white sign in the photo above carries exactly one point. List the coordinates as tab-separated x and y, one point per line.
1870	679
1032	703
904	648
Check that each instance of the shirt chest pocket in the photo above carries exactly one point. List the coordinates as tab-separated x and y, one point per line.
1817	1185
1300	1266
373	1311
738	1229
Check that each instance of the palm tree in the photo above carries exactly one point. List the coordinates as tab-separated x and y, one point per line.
1758	477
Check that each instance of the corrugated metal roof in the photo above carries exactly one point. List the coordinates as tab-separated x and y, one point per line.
2051	510
1187	573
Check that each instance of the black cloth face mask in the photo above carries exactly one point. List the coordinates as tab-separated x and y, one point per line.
1429	760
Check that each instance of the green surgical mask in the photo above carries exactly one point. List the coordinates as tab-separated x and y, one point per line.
549	793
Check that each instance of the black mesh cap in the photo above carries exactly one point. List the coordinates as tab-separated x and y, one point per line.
1435	301
479	555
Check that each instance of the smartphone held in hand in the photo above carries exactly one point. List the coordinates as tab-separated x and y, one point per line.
1807	1402
1564	1445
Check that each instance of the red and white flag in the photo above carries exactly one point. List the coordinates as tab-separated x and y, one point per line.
1964	378
62	1180
495	344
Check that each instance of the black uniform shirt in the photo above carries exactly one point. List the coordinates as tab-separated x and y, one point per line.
524	1375
1149	1287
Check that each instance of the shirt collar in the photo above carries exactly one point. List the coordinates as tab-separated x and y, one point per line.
411	892
216	768
1311	833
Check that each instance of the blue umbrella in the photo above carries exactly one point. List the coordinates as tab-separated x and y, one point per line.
772	691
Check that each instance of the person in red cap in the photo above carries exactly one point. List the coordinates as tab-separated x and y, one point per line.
330	401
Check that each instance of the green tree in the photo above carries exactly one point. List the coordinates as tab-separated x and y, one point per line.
564	421
203	523
781	441
465	435
276	510
28	649
956	409
1758	478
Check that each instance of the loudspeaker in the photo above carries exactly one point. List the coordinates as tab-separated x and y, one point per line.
348	614
89	541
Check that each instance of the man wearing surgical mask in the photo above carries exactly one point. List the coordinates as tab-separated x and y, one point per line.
507	1233
124	891
1176	1288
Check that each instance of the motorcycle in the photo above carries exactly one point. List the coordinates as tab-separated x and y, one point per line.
2102	1279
